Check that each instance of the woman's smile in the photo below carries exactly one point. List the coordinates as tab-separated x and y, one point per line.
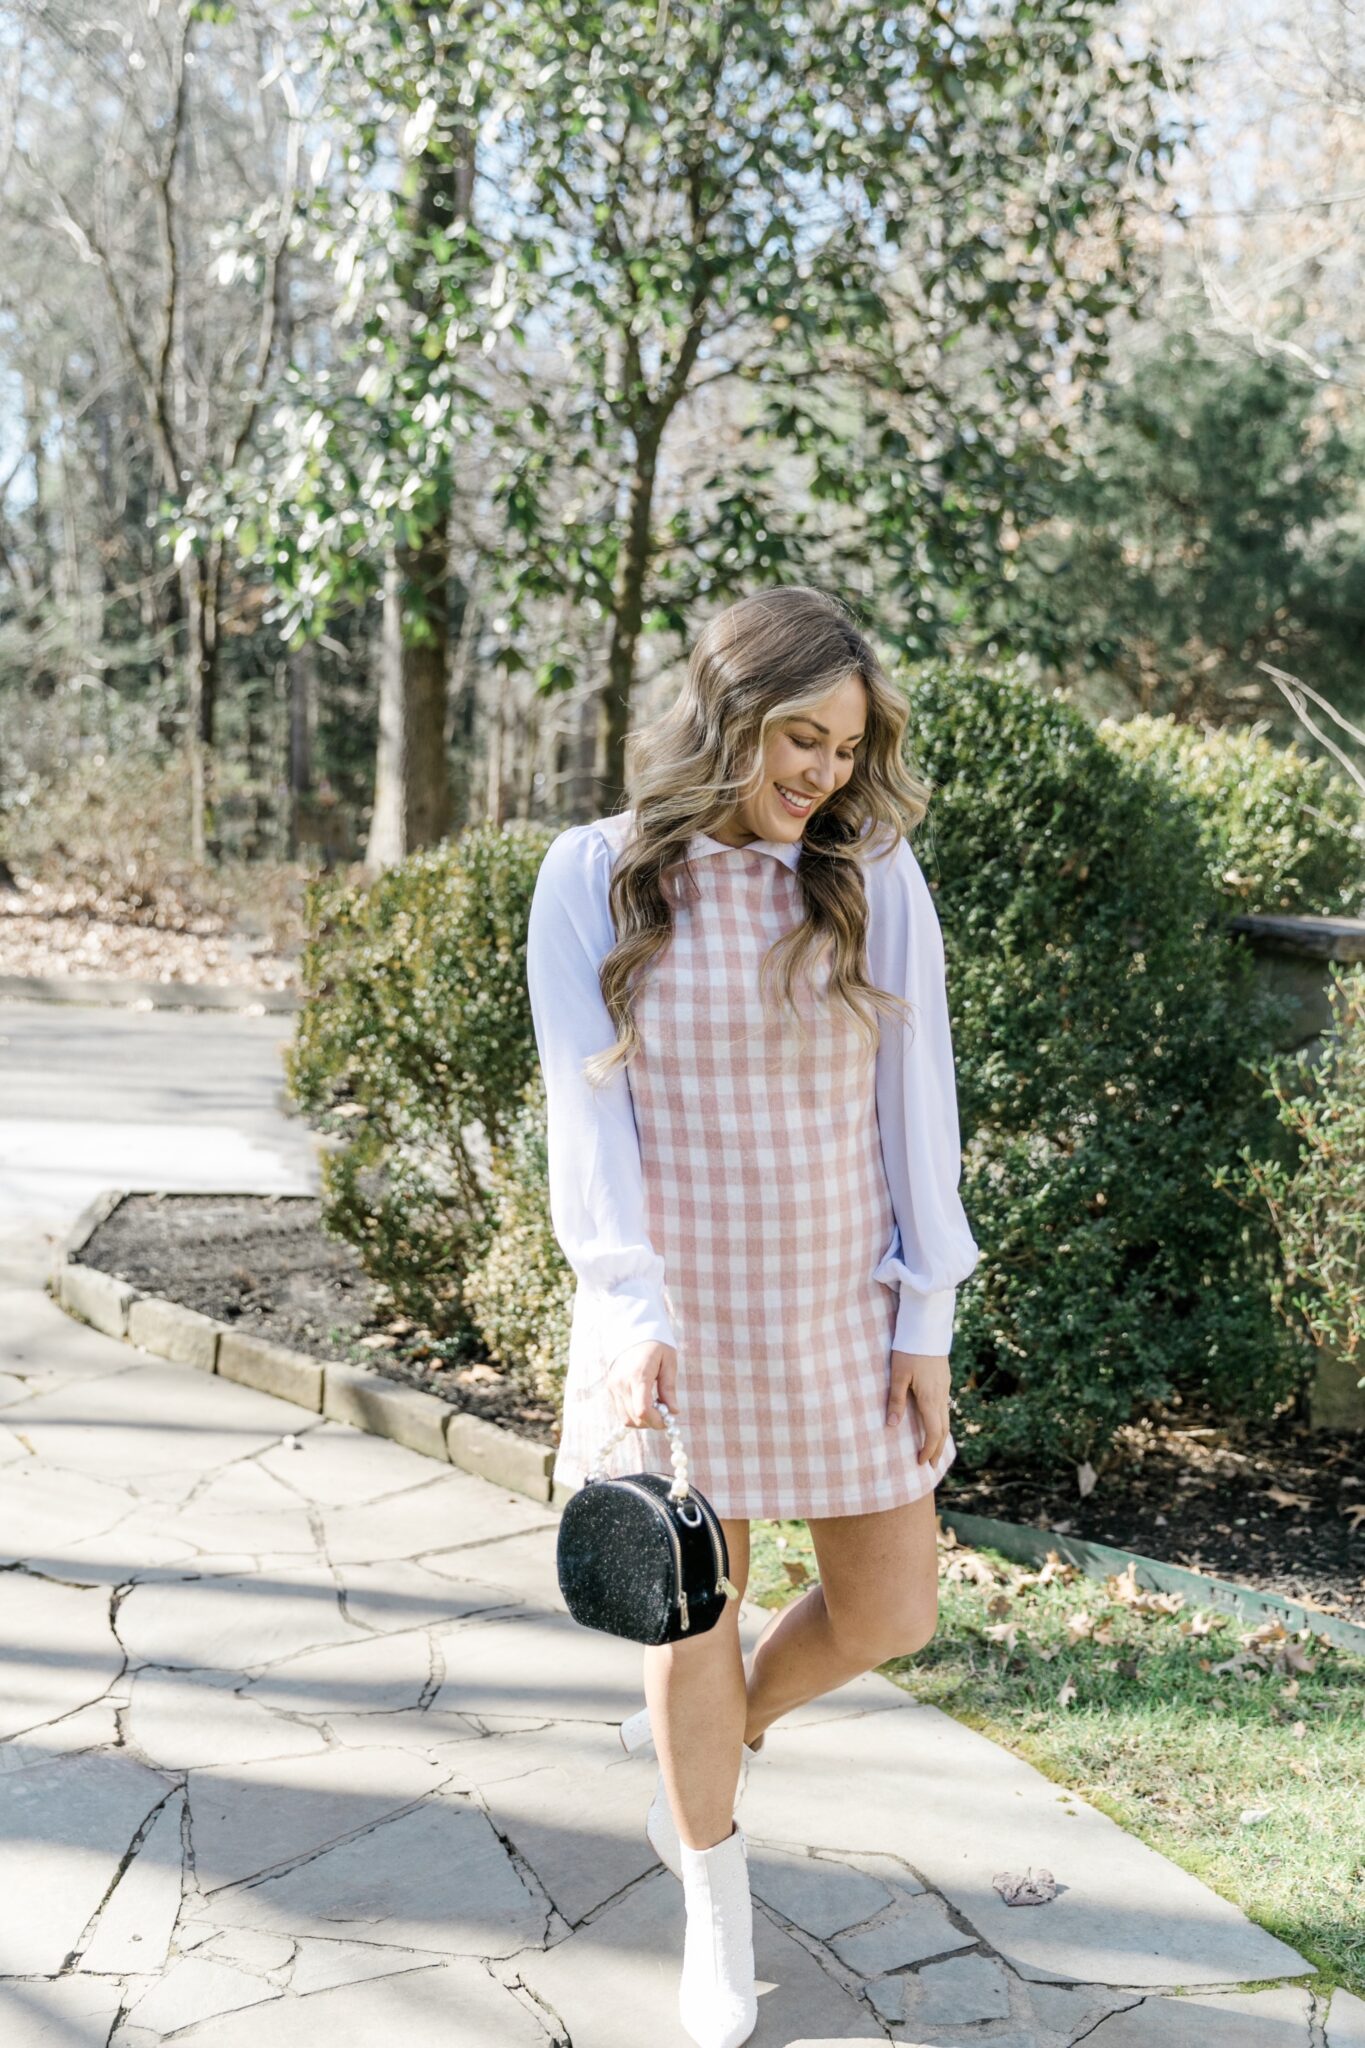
793	802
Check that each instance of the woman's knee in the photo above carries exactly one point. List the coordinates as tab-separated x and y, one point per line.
872	1635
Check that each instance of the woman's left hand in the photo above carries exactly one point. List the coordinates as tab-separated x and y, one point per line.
927	1378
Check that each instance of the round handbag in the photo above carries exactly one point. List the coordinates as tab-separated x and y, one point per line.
643	1556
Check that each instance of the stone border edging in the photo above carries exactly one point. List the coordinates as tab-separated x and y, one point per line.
435	1428
1025	1545
161	995
356	1394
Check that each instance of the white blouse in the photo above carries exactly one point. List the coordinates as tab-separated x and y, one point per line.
596	1184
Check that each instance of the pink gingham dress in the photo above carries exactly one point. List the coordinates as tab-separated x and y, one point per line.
765	1195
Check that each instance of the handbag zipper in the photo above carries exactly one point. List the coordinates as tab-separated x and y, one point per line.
723	1584
660	1509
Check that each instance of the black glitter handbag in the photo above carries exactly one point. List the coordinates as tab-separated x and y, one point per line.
643	1556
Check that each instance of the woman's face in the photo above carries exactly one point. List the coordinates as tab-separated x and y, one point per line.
806	760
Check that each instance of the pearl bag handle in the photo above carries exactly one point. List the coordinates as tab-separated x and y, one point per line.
680	1487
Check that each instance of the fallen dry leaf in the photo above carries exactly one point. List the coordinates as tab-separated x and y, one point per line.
1264	1634
1001	1604
1284	1499
795	1571
1067	1693
1079	1624
1123	1586
1355	1516
1086	1475
1033	1888
1006	1632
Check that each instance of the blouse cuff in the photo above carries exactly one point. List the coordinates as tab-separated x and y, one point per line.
632	1312
924	1322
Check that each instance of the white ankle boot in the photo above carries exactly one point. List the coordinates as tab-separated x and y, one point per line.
717	1998
660	1826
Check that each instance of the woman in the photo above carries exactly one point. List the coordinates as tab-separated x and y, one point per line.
739	1003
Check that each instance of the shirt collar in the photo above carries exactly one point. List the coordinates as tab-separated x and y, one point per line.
787	851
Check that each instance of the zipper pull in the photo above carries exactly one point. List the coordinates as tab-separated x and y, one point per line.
724	1586
682	1609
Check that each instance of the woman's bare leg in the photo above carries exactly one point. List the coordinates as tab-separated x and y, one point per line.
697	1704
877	1597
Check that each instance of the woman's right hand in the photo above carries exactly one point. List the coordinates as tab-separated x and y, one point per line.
638	1375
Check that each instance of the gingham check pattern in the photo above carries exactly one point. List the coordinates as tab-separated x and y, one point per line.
766	1195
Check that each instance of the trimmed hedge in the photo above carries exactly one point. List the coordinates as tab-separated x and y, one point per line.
1104	1022
1280	831
413	1048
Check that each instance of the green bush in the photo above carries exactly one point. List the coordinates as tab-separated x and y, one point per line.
520	1293
1281	831
1316	1204
413	1049
1103	1021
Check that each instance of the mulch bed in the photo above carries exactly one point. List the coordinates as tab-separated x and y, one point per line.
265	1264
1273	1505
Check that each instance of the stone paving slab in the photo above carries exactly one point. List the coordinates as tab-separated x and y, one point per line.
456	2005
68	1823
304	1749
1346	2021
65	2012
960	1809
1278	2018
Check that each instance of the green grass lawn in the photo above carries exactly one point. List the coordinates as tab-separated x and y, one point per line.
1237	1752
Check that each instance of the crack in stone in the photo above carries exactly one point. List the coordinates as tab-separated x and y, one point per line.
541	2009
290	1864
849	1982
1076	2039
87	1934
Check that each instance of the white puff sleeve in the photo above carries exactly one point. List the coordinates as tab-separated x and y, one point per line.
596	1181
932	1250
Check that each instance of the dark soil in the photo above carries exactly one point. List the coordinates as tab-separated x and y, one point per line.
265	1264
1266	1504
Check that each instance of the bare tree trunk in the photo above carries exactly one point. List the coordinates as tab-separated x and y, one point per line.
302	666
412	776
497	728
412	785
199	579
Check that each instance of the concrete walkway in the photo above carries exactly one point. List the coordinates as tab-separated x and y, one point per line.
95	1098
299	1747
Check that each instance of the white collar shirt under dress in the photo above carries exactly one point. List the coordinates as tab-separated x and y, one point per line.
783	1215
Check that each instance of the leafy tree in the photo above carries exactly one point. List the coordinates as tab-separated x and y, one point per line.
1208	522
881	234
890	230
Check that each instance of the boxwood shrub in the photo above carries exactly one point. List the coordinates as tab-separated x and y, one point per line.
413	1049
1280	830
1105	1027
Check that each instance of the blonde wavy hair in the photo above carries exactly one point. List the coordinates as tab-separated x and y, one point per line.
770	657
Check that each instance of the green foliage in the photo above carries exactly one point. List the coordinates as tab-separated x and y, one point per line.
520	1293
1317	1203
1281	831
1210	520
1103	1021
414	1046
